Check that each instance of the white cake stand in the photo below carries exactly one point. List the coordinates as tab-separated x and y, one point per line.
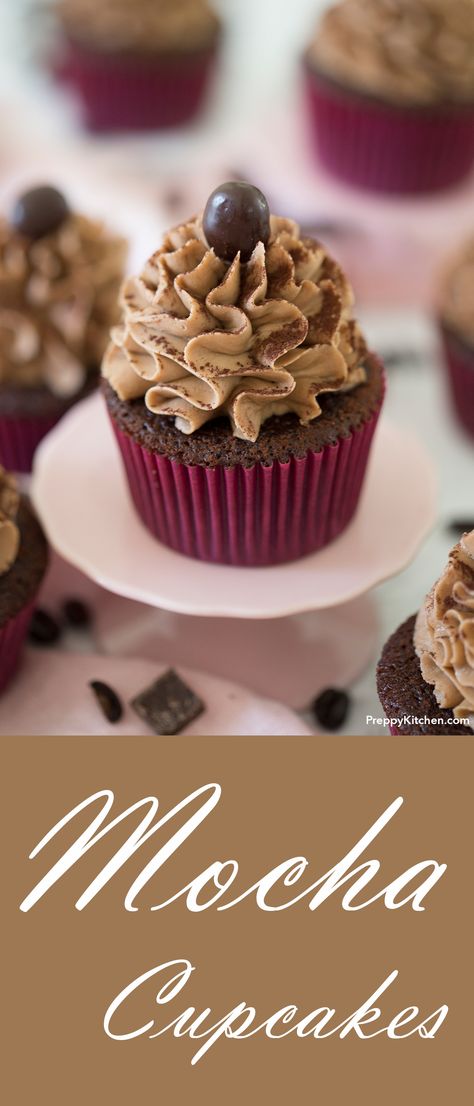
303	625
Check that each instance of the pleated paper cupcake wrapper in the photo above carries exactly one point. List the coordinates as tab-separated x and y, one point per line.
386	148
264	515
128	94
12	637
460	365
19	439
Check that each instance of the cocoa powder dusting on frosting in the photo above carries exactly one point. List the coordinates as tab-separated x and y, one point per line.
58	300
9	532
444	634
140	26
201	337
406	51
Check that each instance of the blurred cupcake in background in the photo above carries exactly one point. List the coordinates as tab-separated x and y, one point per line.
456	318
138	64
391	93
425	677
60	275
240	388
23	563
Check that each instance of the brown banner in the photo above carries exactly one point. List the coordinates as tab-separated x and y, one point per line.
280	926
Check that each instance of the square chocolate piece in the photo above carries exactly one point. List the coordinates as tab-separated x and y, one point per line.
168	705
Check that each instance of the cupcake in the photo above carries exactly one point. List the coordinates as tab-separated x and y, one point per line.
138	65
425	677
23	562
456	318
60	274
240	388
391	93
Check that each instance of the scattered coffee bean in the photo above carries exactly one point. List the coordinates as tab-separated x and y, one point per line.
39	212
44	630
331	708
76	614
460	526
168	705
236	218
108	701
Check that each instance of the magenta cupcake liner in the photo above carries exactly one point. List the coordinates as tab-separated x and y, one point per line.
460	365
119	93
19	439
387	148
12	636
264	515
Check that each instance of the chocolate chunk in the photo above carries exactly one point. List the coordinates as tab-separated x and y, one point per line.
168	705
236	218
460	526
44	630
39	212
331	708
108	700
76	614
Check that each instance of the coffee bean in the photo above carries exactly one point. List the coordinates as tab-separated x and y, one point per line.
44	630
460	526
108	700
39	212
236	218
331	708
76	614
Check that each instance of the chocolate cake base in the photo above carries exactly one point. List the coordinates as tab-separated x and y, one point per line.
39	402
280	438
403	691
19	585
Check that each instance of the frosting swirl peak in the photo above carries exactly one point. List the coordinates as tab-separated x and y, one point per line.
407	51
202	337
444	634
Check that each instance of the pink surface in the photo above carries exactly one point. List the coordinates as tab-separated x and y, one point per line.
12	636
135	94
460	366
389	149
51	696
19	439
264	515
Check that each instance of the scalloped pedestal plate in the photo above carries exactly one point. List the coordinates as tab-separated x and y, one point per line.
285	631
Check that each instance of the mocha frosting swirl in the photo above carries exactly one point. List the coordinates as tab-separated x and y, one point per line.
457	293
137	26
58	300
444	634
9	532
202	337
407	51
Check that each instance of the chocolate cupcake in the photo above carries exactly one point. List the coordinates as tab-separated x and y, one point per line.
391	93
241	390
138	65
456	320
23	562
425	677
60	274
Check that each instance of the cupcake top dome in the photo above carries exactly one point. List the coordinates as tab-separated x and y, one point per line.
406	51
444	634
252	321
60	274
457	292
9	532
148	26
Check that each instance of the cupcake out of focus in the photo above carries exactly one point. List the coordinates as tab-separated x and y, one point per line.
138	64
23	563
60	274
456	319
390	87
